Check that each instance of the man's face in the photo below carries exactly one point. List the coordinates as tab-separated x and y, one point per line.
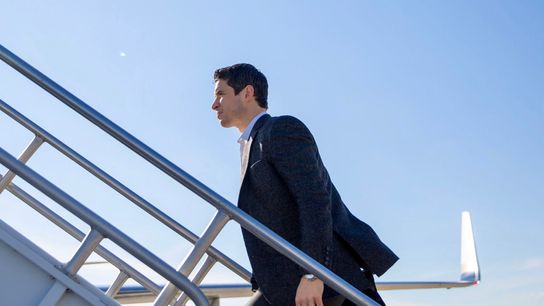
229	107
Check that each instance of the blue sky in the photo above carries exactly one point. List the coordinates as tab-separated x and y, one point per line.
421	110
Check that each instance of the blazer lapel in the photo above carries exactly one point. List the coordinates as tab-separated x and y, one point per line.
247	148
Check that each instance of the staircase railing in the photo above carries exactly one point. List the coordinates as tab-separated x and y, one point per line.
225	210
100	229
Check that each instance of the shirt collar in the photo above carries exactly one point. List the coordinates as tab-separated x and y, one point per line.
245	135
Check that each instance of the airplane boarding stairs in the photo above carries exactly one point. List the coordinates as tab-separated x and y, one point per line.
30	276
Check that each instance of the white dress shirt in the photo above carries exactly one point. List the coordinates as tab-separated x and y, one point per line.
247	132
244	147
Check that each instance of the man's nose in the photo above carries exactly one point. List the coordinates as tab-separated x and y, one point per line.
215	104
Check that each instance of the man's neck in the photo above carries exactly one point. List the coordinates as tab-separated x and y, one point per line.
249	118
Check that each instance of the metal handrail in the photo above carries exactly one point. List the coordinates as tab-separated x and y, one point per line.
79	235
163	164
102	227
120	188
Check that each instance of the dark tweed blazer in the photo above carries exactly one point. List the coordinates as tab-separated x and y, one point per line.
288	189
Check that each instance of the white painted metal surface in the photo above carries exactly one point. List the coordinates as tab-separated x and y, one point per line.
470	267
27	274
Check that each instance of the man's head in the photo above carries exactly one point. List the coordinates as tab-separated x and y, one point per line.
239	76
240	94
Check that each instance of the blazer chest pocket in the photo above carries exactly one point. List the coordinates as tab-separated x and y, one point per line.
259	170
256	163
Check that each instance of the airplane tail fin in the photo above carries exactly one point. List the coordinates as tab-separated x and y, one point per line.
470	267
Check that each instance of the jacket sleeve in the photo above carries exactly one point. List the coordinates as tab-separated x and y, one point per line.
296	158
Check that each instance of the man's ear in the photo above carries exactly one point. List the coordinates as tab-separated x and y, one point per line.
249	92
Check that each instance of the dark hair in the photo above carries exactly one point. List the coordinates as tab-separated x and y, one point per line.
238	76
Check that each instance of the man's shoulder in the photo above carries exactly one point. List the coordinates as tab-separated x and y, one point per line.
280	129
287	119
284	122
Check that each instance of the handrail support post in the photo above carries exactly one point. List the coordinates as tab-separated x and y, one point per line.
122	277
32	147
199	249
199	277
91	241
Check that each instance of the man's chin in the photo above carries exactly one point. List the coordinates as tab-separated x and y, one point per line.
225	123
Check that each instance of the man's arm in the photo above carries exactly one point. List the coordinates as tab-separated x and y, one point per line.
295	156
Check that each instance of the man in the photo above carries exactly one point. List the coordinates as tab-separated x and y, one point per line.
286	187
